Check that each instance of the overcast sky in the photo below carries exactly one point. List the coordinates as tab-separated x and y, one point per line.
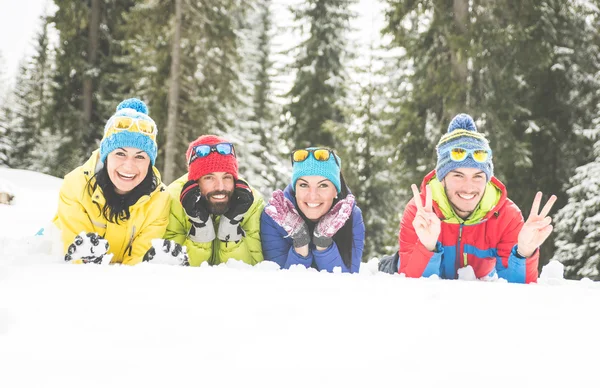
19	22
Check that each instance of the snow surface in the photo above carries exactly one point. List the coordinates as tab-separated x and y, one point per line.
152	325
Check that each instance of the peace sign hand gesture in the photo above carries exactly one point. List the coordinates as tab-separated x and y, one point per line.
426	223
537	228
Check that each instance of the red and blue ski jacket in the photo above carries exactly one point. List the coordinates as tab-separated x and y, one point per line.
278	246
487	241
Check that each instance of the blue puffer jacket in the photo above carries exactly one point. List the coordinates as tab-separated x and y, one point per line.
278	248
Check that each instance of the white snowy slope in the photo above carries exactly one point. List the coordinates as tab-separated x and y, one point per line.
64	325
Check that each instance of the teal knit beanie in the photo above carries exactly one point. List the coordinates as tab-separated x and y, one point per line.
329	169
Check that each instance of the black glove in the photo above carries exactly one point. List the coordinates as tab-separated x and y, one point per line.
241	200
88	248
167	252
193	202
196	208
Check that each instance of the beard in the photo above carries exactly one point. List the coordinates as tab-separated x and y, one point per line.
218	208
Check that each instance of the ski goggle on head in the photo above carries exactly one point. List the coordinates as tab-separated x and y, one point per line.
459	154
203	150
123	123
320	154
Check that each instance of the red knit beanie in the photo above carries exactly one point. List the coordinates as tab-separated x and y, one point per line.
214	162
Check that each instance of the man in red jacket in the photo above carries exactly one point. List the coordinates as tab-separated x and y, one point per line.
463	217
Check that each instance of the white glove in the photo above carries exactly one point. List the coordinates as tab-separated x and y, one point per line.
167	252
88	248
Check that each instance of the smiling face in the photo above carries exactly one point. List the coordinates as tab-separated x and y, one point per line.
127	167
464	189
314	195
217	187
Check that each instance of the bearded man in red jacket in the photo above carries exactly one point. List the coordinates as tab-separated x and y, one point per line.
463	217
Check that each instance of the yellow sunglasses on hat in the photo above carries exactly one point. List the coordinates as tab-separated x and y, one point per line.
122	123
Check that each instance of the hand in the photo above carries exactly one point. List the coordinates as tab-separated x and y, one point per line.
241	200
426	223
88	248
284	213
167	252
537	228
330	223
196	208
229	225
194	203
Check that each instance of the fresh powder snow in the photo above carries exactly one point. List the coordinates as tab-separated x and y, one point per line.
154	325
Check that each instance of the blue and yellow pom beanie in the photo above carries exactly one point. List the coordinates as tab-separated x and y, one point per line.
462	133
313	167
135	109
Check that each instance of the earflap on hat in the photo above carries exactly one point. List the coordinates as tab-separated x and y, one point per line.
462	133
213	162
130	133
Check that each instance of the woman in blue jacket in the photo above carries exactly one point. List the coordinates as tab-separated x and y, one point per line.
314	222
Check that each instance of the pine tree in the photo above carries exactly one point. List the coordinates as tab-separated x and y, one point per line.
367	149
5	145
215	91
318	93
577	225
27	129
87	81
263	164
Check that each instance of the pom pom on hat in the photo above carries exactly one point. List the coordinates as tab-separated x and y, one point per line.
135	109
213	162
135	104
462	133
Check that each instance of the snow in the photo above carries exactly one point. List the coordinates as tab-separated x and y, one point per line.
152	325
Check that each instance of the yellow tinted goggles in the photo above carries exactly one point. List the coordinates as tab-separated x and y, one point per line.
122	123
458	154
320	154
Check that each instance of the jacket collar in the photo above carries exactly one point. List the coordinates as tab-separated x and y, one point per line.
492	201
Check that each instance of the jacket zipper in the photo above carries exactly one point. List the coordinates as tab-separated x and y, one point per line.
213	255
130	245
458	264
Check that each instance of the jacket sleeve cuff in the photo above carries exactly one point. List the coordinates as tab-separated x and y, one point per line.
329	258
435	261
515	252
295	258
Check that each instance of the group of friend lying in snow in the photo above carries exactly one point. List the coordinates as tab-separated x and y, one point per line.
114	208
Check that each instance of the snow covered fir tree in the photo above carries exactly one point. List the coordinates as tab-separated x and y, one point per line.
578	223
527	72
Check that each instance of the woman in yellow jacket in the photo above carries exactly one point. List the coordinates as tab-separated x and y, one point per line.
112	207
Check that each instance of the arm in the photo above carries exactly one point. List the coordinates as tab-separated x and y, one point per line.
177	230
154	226
249	248
71	217
511	266
279	248
415	259
330	258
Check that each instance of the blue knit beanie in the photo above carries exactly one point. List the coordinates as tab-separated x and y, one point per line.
313	167
134	109
462	133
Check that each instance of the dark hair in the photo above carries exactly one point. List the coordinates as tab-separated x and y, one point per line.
116	207
344	238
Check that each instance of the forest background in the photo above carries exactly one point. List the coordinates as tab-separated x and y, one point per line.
275	75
